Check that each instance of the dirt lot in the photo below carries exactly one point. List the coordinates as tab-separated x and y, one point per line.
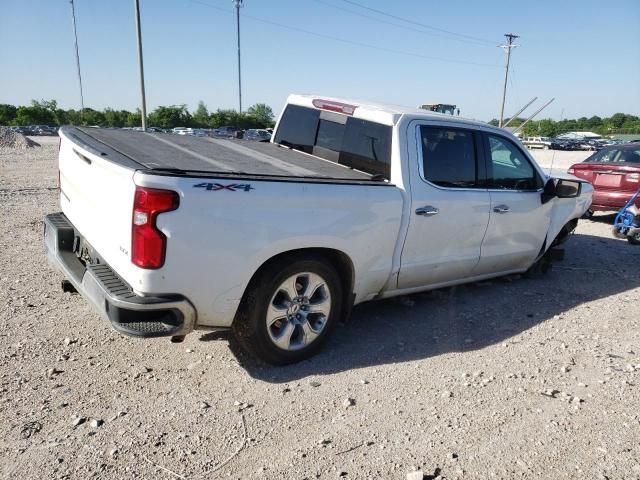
512	378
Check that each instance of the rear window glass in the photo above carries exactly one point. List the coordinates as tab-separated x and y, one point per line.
449	157
298	128
352	142
615	155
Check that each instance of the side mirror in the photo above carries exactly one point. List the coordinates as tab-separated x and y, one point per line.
549	191
568	188
561	188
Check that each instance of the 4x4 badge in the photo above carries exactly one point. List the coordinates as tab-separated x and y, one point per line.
233	187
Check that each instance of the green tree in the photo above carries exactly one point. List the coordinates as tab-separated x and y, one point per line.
262	113
617	120
170	117
38	113
115	118
221	118
7	114
134	119
93	117
594	122
201	115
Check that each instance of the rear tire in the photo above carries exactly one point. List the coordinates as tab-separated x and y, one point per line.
634	239
279	329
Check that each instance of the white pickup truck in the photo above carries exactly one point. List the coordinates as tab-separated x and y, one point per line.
350	202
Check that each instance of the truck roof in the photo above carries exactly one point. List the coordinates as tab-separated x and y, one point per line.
385	113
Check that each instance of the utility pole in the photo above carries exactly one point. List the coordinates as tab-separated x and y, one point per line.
75	41
136	4
507	48
239	5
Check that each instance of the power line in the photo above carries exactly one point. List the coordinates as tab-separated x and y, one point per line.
423	25
347	41
404	27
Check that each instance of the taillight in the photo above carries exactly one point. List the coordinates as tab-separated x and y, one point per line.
571	171
633	177
148	244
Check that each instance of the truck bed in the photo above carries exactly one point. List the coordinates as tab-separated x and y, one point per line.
203	155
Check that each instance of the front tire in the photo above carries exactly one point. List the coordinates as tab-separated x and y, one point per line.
588	214
289	309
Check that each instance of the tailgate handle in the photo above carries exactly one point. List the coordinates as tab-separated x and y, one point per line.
82	157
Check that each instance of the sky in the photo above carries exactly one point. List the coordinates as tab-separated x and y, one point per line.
585	53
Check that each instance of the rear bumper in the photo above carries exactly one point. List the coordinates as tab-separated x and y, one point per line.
608	201
113	299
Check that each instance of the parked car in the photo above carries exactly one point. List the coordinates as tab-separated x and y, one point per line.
615	174
558	144
181	131
42	130
23	130
258	135
366	201
226	131
537	142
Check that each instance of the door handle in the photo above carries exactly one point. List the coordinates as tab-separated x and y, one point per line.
427	211
501	209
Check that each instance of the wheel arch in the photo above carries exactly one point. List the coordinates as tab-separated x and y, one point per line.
338	259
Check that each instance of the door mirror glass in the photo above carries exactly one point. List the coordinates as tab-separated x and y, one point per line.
568	188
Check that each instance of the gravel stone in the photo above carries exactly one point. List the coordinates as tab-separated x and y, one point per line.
508	429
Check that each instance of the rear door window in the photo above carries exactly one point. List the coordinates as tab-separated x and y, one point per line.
343	139
449	157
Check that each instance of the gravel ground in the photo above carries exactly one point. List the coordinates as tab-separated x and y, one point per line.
511	378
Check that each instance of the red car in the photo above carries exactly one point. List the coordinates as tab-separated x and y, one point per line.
615	174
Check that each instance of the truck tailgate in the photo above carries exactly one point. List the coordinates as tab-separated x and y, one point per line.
96	195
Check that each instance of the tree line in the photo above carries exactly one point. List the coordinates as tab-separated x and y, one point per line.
619	123
260	115
47	112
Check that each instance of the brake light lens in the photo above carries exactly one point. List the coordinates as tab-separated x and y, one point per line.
148	244
334	106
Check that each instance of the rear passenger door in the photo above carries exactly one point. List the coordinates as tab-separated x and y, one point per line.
449	206
519	220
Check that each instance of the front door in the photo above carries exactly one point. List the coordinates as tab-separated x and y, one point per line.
519	220
449	207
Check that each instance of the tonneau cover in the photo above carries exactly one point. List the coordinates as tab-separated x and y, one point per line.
214	155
